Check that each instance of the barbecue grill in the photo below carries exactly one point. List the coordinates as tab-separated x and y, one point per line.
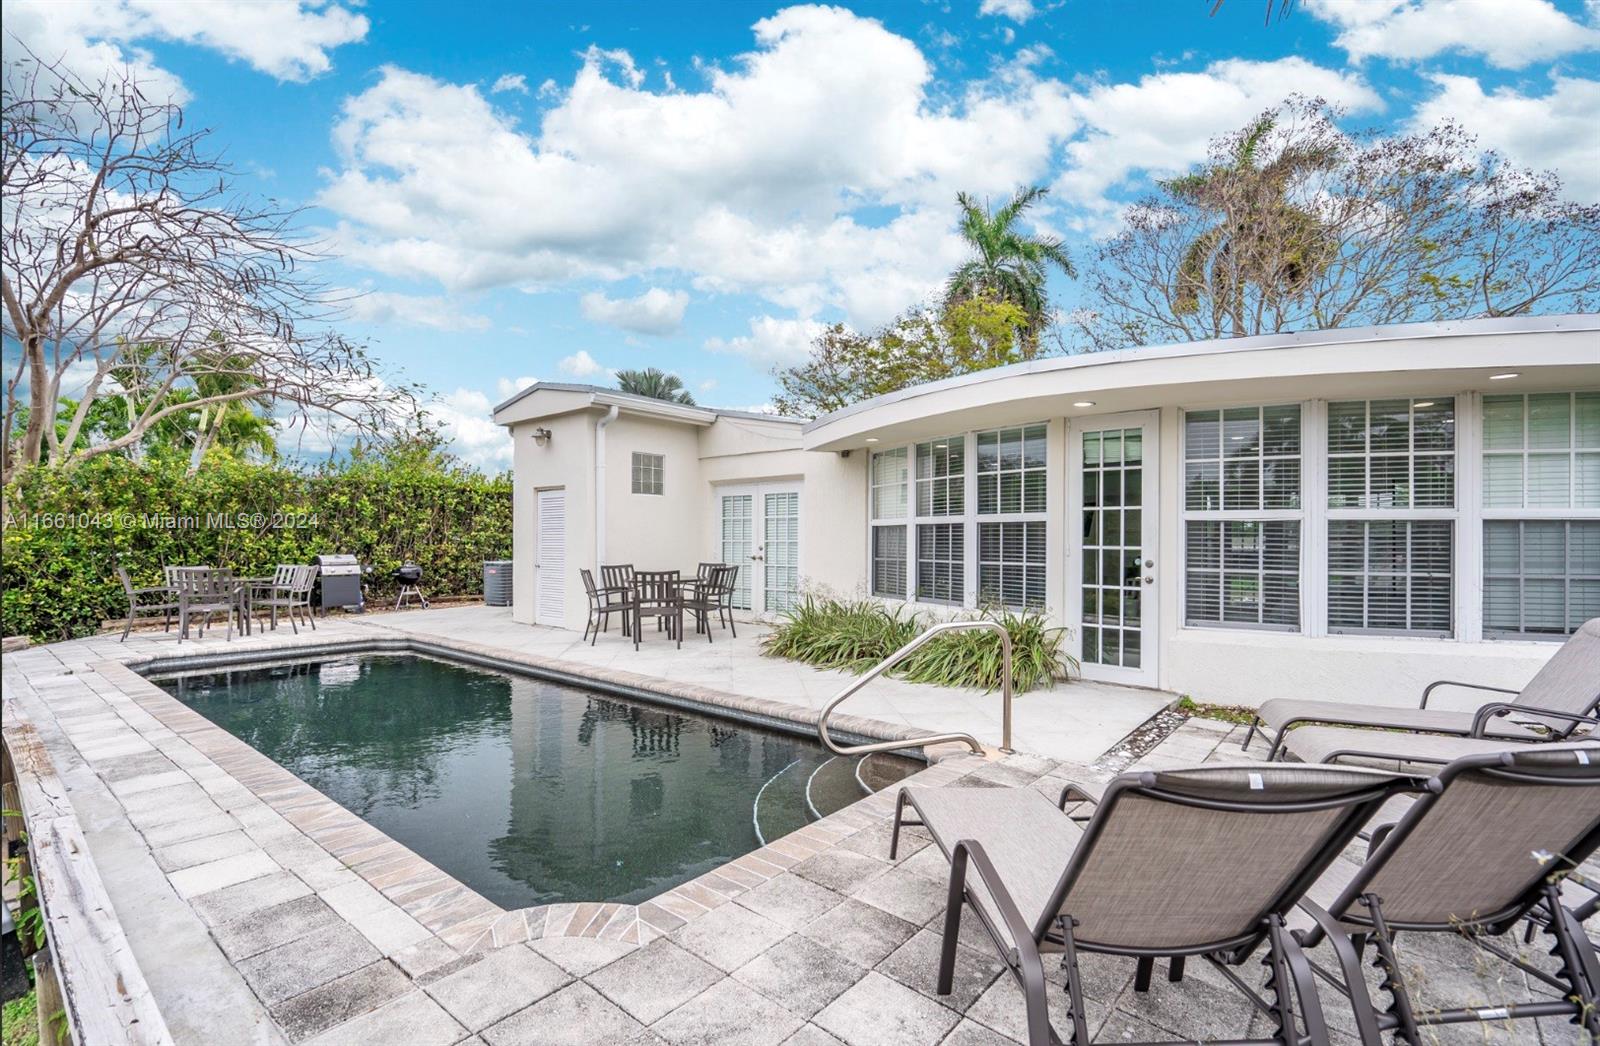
409	575
339	583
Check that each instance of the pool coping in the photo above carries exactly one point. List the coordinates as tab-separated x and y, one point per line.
449	909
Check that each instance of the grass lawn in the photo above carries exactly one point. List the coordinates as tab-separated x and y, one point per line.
19	1026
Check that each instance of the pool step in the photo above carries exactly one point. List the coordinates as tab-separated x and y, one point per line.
780	805
832	786
813	787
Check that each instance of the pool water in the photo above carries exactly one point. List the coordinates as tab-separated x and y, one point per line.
527	791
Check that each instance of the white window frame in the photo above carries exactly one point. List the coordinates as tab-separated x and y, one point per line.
1486	513
903	521
643	464
1263	515
979	518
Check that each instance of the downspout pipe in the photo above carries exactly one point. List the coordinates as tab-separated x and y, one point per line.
600	484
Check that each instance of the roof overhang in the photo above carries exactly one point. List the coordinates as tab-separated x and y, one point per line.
1420	359
550	399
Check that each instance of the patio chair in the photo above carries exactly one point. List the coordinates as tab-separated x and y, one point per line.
140	606
1567	686
290	592
1400	752
603	602
617	579
203	591
1485	846
709	596
1206	861
658	594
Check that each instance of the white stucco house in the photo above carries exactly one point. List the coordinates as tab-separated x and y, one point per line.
1337	514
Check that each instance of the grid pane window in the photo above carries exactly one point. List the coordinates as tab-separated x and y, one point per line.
1391	575
1540	577
889	561
1113	546
1011	564
1541	451
941	559
941	476
1011	470
1242	572
889	480
647	473
1392	454
1242	458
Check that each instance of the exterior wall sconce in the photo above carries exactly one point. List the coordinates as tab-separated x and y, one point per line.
541	437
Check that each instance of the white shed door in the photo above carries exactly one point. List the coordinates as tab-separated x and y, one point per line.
550	584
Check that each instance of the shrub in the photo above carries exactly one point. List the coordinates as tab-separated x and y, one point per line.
856	635
67	528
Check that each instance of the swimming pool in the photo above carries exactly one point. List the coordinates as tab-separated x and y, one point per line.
529	792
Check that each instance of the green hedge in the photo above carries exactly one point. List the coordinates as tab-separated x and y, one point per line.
65	529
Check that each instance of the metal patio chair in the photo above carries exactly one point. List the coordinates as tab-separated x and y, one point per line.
1567	686
617	579
658	594
1206	861
203	591
1485	846
709	595
139	605
603	602
290	592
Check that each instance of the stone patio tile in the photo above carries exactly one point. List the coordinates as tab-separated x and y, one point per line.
902	892
270	927
811	1035
200	851
424	957
915	964
498	985
878	1011
577	1015
285	971
874	842
214	875
1194	1008
340	1000
789	900
239	900
839	869
728	1014
145	782
654	980
1003	1009
971	1033
860	932
413	1019
730	936
183	831
800	974
580	956
124	767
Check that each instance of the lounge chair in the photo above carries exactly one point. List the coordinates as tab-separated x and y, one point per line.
1567	686
1205	861
1399	752
1484	847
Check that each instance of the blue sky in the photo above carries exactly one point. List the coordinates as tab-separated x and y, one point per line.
558	190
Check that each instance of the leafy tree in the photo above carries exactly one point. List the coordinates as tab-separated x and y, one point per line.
1009	264
655	383
923	345
1293	224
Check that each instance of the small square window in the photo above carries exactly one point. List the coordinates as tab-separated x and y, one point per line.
647	472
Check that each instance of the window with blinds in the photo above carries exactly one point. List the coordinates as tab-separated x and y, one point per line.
1390	576
1541	578
1392	454
1011	564
889	561
941	562
1242	517
1011	470
889	478
1541	451
941	476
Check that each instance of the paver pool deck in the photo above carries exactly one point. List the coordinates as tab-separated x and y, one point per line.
260	912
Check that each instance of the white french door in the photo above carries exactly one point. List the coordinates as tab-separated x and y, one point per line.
759	532
1114	539
550	563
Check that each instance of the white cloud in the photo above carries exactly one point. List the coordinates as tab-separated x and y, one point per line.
465	418
772	342
1554	132
582	365
1163	123
505	388
418	310
1016	10
510	82
289	39
1509	33
654	312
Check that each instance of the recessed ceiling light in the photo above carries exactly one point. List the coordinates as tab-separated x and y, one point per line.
1503	377
872	439
1083	403
1421	404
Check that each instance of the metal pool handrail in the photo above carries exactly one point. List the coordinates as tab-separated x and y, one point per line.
894	659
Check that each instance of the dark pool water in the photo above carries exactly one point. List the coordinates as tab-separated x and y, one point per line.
527	791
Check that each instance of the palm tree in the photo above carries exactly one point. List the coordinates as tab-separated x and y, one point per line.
1263	239
1011	266
655	383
